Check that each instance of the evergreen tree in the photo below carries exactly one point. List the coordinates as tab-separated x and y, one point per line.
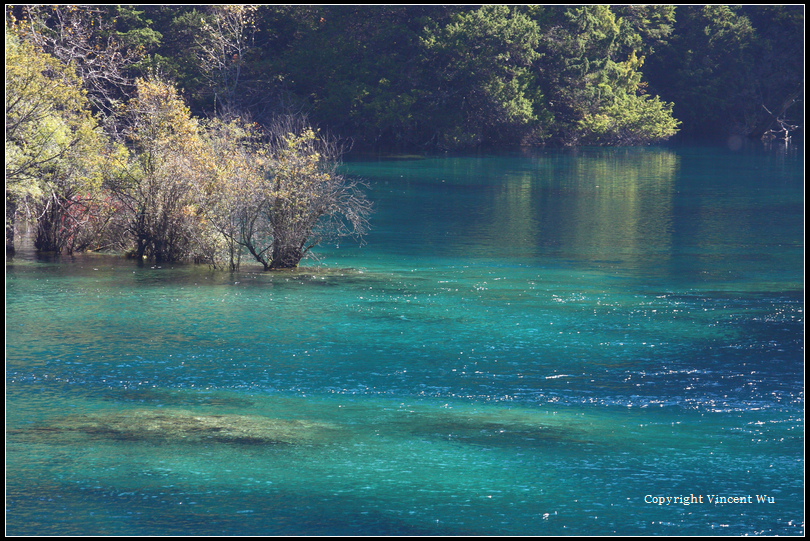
592	72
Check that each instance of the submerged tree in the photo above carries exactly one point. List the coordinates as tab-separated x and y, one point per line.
54	147
286	196
234	189
206	191
158	189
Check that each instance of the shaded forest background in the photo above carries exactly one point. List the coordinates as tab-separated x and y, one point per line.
213	133
461	77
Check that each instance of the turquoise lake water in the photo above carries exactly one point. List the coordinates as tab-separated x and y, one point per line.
544	343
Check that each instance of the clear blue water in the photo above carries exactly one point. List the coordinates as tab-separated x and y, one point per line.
529	344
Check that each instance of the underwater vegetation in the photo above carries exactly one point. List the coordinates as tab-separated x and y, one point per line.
183	426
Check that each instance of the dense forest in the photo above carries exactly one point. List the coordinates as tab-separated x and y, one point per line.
198	132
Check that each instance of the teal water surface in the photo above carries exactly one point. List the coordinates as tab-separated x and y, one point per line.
544	343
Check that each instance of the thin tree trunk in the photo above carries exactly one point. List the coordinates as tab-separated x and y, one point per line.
11	220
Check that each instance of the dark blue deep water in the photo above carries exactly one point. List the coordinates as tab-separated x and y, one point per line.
548	343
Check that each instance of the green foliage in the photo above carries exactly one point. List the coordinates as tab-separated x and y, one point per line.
132	29
629	120
727	66
596	88
211	53
645	28
358	70
482	60
55	150
46	113
104	44
704	63
448	76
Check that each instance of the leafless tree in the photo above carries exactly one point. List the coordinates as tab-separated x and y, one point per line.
226	41
85	37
